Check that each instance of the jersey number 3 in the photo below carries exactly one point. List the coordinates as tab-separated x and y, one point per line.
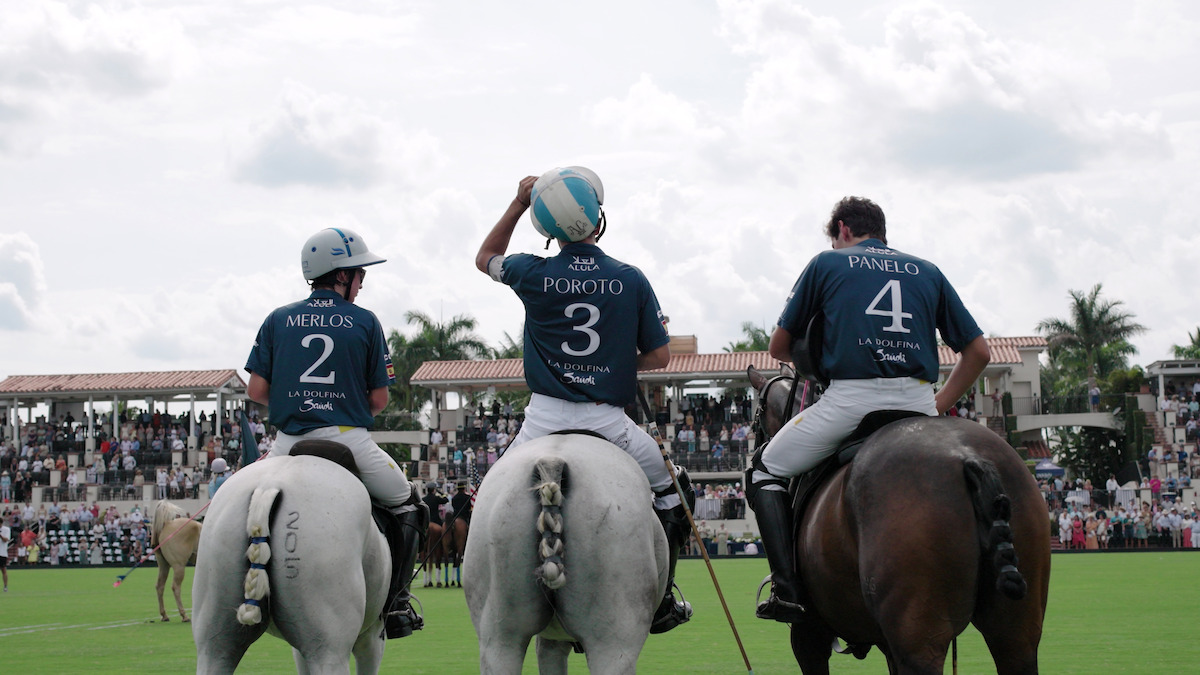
897	312
585	328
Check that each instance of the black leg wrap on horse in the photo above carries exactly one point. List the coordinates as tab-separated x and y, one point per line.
406	533
773	509
672	612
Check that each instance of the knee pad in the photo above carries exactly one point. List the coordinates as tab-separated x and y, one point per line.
753	486
685	484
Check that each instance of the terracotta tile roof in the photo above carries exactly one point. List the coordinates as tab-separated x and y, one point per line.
175	380
1004	350
723	365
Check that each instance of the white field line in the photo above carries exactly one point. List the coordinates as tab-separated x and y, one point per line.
43	627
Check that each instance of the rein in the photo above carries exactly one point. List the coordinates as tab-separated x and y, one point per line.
759	422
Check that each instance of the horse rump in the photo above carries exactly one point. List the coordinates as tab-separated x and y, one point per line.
993	510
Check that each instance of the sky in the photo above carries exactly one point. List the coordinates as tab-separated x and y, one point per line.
162	163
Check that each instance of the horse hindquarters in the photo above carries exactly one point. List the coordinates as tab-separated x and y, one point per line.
1011	626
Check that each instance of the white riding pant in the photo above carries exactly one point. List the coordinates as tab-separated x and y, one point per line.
383	478
545	415
814	434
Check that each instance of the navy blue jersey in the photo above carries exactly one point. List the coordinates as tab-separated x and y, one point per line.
587	318
321	356
883	310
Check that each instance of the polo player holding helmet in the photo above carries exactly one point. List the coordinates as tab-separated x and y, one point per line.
592	322
323	367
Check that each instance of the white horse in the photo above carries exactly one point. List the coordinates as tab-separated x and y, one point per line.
289	548
564	545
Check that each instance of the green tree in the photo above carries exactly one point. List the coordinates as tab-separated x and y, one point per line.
1191	351
454	340
1091	452
1093	340
756	339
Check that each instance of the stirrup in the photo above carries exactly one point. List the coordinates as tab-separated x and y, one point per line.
401	622
671	612
776	608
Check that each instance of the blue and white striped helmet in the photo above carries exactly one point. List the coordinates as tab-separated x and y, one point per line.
335	248
565	203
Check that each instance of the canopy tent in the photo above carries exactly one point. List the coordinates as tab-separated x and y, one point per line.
1047	469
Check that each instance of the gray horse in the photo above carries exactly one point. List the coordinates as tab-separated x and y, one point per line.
289	548
564	546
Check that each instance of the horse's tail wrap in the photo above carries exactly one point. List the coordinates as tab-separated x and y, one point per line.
548	476
993	509
258	528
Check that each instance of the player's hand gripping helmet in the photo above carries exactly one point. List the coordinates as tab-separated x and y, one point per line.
565	204
335	248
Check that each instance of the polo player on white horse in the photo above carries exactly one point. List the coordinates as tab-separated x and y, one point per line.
323	367
592	322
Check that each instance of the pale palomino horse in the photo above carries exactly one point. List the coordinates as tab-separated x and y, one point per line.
179	537
564	546
289	547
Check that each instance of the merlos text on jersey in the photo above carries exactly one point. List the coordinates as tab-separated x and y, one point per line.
584	286
882	264
320	321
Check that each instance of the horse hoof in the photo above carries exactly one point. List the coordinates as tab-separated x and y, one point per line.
186	620
165	619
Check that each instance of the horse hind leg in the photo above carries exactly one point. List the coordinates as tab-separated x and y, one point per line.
160	587
552	656
177	589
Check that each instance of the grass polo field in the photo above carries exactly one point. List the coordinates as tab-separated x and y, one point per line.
1126	613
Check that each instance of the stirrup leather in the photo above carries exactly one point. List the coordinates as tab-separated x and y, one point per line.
775	607
671	612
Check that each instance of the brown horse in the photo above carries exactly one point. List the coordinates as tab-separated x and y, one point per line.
434	554
901	548
180	539
456	544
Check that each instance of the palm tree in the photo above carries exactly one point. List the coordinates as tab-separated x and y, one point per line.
1096	336
1191	351
433	341
756	340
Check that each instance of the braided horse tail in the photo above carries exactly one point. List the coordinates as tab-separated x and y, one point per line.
258	528
549	476
993	509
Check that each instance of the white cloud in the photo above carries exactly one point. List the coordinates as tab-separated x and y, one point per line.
649	115
22	280
327	140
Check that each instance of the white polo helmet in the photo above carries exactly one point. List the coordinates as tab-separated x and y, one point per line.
219	465
565	204
335	248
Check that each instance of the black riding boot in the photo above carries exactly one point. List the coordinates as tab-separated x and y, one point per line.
773	509
405	534
672	612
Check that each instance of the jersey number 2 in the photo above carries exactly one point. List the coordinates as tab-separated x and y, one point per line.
328	343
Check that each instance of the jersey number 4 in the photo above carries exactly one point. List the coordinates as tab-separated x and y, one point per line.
897	313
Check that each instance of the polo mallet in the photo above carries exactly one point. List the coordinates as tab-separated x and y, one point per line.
121	577
654	433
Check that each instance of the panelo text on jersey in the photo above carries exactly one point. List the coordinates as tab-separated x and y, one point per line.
883	265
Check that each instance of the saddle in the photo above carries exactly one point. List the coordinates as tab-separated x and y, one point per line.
803	487
339	454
